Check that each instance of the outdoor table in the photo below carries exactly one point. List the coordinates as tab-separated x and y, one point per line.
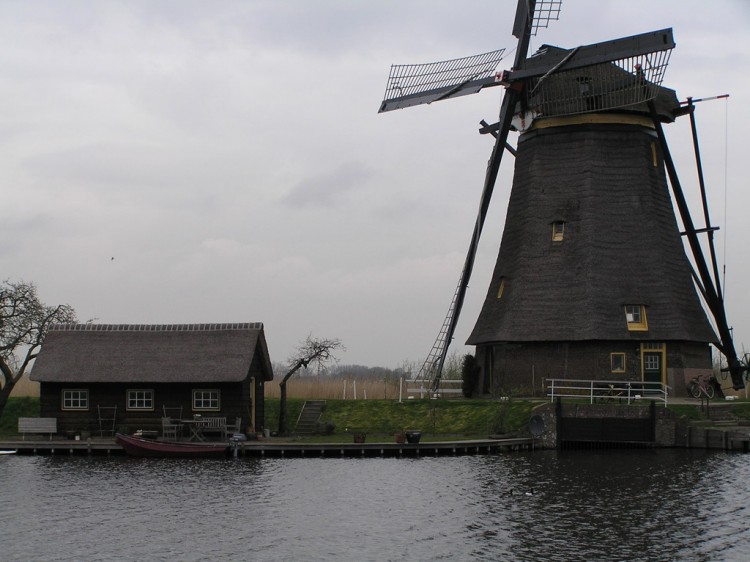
196	429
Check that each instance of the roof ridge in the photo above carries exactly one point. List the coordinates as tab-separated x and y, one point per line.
90	327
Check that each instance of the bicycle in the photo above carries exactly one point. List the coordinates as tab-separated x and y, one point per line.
702	386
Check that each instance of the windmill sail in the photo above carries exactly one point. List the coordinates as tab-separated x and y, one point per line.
416	84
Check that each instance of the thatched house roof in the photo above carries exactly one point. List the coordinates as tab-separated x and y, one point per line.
86	353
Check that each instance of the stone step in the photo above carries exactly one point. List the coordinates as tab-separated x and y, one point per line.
307	422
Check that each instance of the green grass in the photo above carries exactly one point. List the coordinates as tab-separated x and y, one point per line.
692	413
454	418
17	408
436	417
468	418
740	408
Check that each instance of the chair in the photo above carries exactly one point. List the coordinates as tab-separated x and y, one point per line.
232	428
172	412
170	430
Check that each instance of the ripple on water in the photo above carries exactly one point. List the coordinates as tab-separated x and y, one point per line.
634	505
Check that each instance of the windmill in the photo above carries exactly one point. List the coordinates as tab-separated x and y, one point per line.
592	263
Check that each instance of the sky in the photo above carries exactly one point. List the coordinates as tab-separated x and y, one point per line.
185	161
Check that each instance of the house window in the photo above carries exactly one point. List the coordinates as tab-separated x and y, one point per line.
558	231
206	400
635	314
75	399
140	399
617	362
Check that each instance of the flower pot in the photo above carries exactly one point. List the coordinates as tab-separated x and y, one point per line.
413	437
400	437
359	436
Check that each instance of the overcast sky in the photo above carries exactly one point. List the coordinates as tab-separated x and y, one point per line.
194	161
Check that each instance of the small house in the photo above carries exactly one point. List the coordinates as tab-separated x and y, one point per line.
127	377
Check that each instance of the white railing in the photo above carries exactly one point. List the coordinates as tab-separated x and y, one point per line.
416	387
607	391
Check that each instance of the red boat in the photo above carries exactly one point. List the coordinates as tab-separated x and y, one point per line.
140	447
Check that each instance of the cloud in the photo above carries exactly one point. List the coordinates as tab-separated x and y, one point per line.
230	156
327	189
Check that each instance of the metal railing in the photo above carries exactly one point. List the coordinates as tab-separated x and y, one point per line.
607	390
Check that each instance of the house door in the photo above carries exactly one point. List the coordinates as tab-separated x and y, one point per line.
652	367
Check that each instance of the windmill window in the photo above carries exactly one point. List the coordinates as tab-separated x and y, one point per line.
501	288
617	362
635	314
558	231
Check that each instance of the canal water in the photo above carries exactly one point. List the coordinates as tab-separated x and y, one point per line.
543	505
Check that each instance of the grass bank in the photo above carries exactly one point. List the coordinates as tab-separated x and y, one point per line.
23	407
456	418
433	417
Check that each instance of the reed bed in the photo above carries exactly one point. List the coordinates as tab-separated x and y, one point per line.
25	387
337	388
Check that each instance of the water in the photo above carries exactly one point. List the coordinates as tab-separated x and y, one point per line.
609	505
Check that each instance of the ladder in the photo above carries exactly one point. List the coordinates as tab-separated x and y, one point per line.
432	368
107	419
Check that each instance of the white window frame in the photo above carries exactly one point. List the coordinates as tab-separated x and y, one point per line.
74	399
206	399
141	399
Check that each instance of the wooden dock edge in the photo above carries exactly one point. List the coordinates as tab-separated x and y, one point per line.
283	449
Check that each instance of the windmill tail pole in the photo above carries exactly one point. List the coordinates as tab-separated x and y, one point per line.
493	167
713	298
521	30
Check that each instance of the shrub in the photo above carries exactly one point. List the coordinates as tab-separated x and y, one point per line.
469	375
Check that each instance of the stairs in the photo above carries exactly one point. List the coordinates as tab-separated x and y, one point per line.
721	415
307	423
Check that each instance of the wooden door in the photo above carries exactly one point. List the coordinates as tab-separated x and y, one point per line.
653	367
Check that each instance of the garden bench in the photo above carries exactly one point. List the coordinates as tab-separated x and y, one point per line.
37	425
214	425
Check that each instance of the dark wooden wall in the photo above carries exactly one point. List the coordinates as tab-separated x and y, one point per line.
235	402
522	368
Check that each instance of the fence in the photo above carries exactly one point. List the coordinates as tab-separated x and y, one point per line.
446	389
605	391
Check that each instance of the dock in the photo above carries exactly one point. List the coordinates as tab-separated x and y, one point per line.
280	449
384	449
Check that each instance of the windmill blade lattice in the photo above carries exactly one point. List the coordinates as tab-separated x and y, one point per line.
415	84
544	12
617	84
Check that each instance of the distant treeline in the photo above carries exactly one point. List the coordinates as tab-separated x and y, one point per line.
407	370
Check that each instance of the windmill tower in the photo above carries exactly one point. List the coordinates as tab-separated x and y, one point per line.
592	280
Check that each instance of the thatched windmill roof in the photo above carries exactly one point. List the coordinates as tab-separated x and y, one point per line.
621	243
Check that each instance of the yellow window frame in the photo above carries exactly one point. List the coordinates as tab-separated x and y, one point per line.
558	231
635	315
617	362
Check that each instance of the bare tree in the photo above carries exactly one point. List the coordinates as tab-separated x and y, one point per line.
313	350
24	322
